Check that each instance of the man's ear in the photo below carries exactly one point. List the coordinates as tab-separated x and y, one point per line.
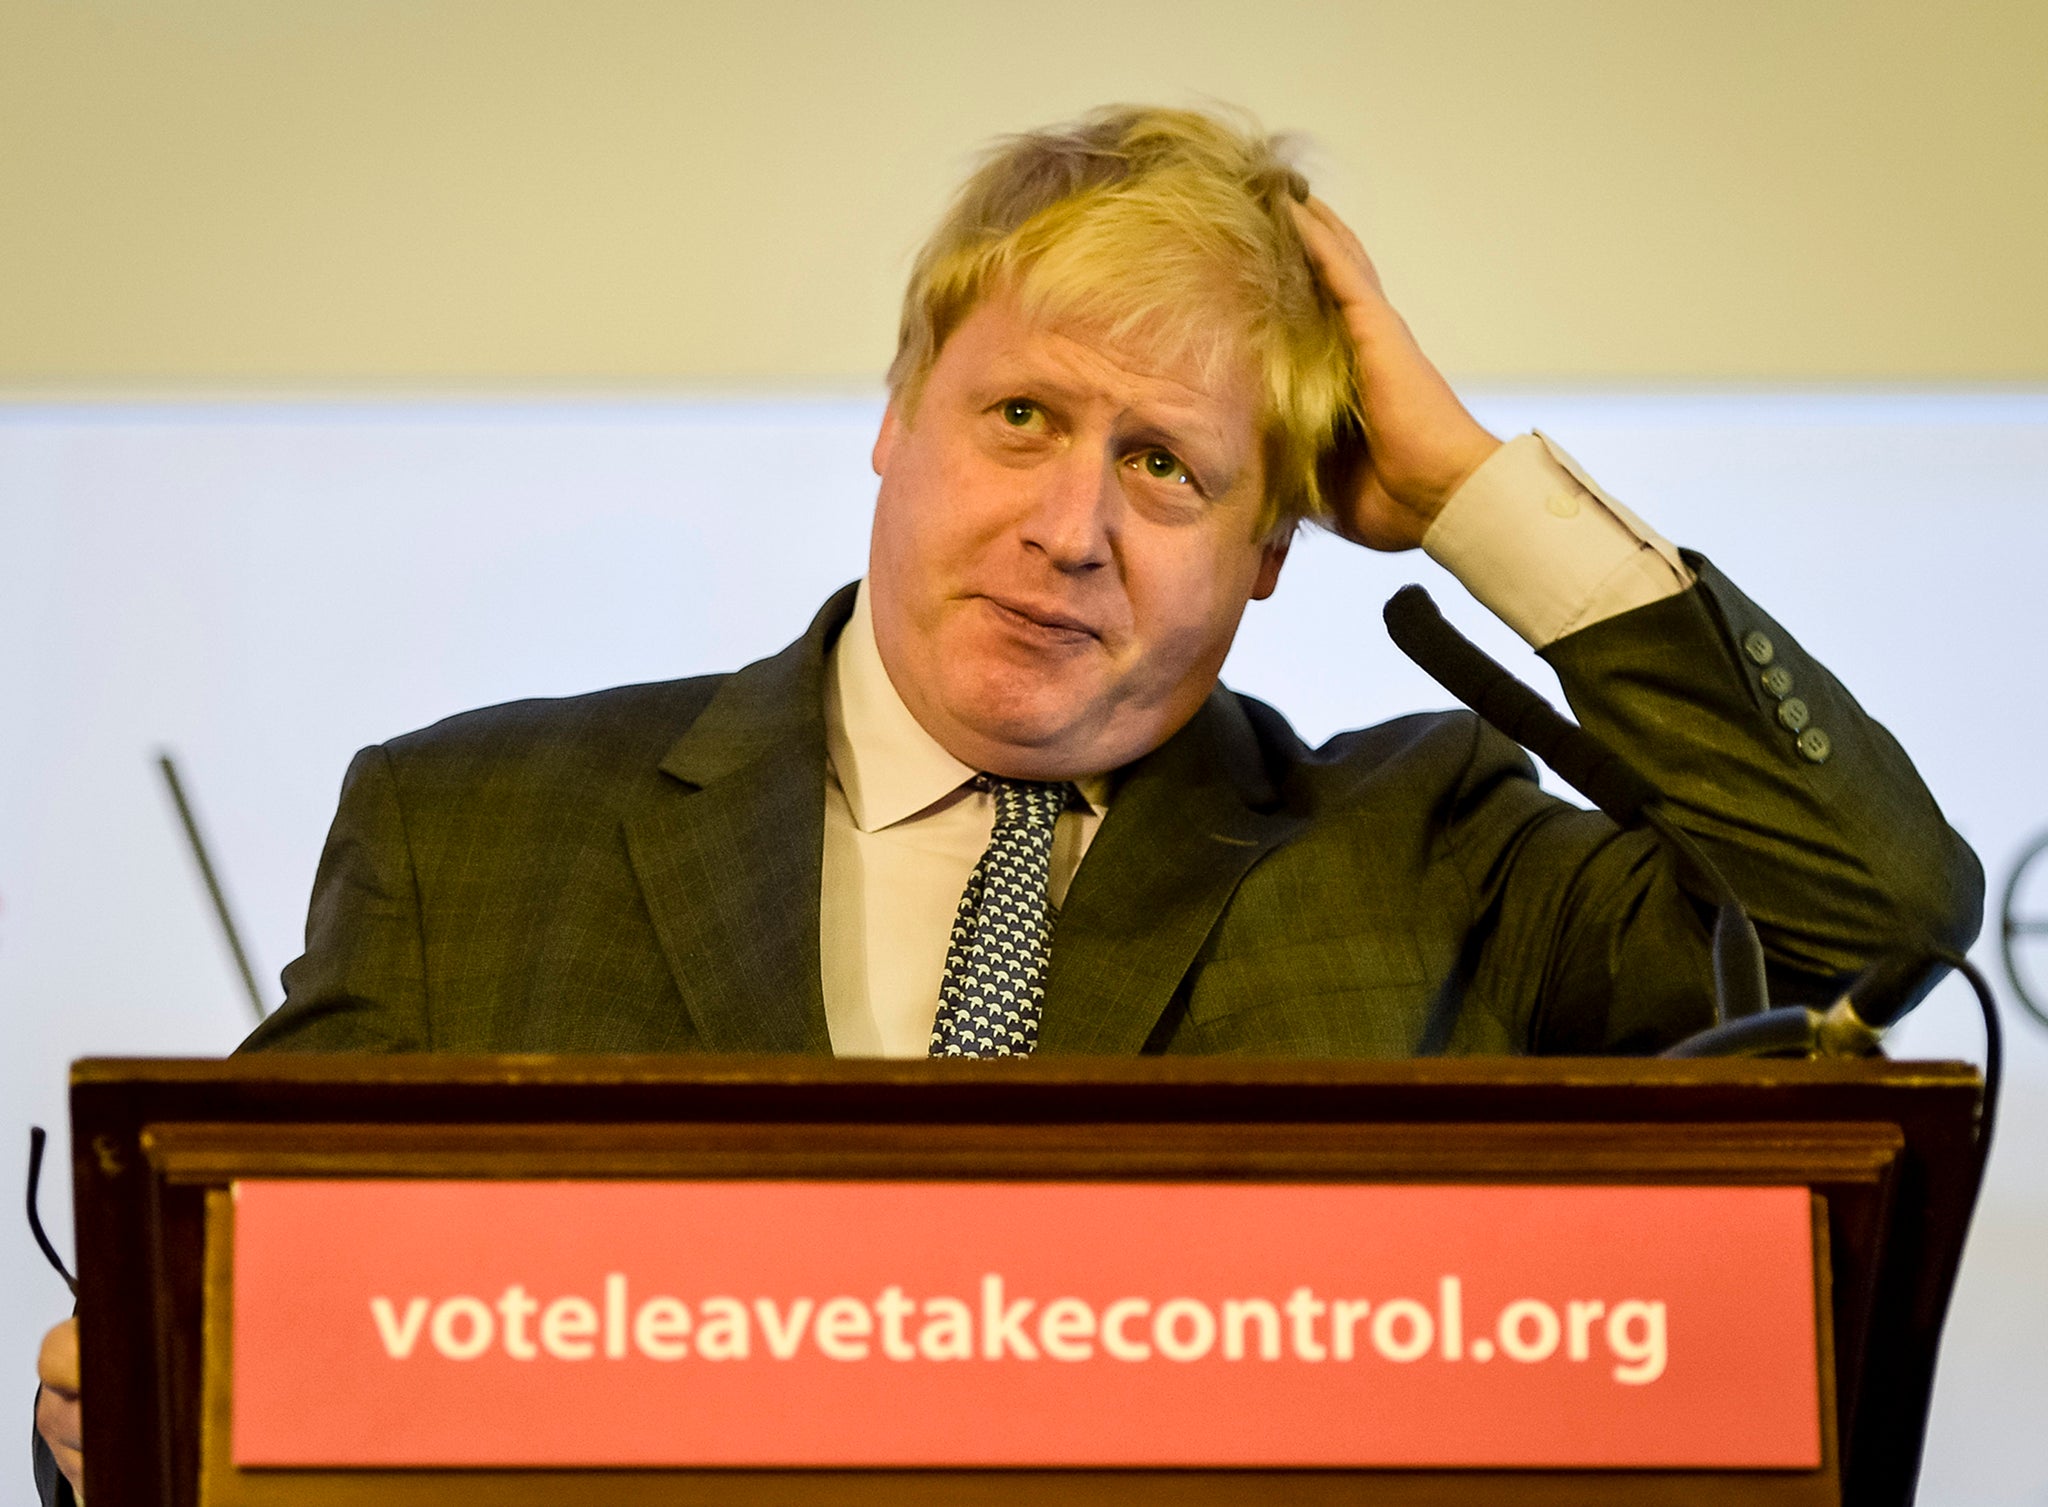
885	438
1271	558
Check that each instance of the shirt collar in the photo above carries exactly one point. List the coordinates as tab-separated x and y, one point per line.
889	767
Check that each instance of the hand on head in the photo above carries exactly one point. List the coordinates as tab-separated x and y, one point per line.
1421	442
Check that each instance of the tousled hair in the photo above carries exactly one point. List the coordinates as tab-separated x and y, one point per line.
1169	227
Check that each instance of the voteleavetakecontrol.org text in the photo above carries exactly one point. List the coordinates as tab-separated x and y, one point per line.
1628	1337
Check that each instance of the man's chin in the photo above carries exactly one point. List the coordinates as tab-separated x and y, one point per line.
1033	744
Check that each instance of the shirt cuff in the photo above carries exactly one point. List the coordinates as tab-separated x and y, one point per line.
1548	552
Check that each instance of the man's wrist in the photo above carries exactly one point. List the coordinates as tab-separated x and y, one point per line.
1483	448
1547	551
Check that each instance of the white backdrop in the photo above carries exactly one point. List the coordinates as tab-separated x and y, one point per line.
264	587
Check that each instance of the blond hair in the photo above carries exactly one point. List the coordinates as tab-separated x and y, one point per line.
1167	226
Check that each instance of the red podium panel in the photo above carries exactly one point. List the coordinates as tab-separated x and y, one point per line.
993	1325
1168	1164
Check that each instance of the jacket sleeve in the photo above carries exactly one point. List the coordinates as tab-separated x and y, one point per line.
1807	805
1588	936
361	984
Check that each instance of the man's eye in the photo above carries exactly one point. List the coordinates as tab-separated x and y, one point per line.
1164	465
1018	413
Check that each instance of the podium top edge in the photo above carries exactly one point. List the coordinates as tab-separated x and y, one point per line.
1013	1074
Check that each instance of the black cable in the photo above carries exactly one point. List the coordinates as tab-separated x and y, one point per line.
1741	989
36	1138
1994	1053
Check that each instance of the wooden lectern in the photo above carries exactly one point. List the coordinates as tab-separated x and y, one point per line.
1886	1149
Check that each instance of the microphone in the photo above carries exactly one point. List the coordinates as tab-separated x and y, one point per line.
1591	768
1472	675
1852	1026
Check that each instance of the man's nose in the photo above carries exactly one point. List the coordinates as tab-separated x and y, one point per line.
1072	514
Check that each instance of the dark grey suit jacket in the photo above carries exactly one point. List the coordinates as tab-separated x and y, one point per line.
639	870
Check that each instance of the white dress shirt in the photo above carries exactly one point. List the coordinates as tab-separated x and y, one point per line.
1529	534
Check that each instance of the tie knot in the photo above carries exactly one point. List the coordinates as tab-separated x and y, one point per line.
1025	803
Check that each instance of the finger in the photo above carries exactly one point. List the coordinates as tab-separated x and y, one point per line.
72	1464
1344	267
1346	274
1321	229
1347	238
57	1361
60	1421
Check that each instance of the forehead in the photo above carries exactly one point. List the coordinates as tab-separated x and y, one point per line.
1148	366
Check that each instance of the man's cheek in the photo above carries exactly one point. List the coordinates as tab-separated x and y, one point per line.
1167	655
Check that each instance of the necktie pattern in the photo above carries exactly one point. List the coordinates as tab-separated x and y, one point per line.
993	992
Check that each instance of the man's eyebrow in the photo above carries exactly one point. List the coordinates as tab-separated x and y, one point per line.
1022	381
1023	377
1216	455
1163	419
1172	435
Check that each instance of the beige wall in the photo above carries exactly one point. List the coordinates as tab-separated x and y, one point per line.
341	192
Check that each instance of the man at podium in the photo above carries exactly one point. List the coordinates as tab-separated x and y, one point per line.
994	800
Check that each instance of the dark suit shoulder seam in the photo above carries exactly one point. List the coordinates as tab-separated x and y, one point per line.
419	900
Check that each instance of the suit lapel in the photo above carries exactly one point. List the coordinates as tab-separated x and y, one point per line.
729	852
1187	821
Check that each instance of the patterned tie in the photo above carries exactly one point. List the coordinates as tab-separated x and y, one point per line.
994	989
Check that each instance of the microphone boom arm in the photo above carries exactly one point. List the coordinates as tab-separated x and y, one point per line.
1594	770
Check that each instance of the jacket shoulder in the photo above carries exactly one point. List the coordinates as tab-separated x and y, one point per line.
1451	750
591	736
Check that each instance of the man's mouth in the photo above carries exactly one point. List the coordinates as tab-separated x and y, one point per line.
1041	620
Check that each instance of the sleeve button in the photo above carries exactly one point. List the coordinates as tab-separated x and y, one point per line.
1792	712
1758	647
1778	681
1815	745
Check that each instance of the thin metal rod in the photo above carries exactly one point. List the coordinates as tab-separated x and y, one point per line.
220	899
